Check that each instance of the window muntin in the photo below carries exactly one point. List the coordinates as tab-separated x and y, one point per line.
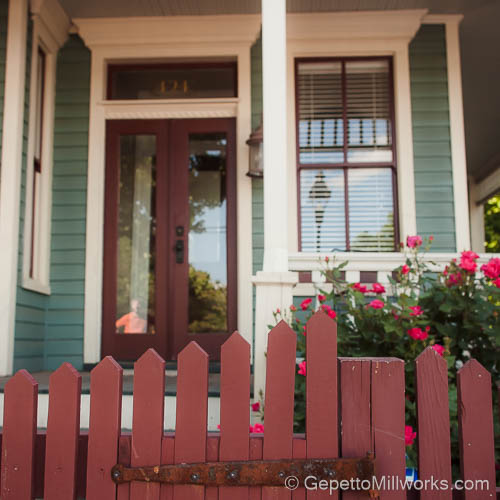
346	156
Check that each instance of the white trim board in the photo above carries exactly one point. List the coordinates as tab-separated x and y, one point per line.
113	40
10	176
50	30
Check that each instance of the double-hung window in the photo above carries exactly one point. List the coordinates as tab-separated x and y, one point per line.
346	155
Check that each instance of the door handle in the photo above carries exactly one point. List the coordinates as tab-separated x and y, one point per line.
179	251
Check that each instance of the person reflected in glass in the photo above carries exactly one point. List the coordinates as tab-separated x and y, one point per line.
132	322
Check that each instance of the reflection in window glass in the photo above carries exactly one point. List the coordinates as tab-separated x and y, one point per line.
207	233
135	301
322	210
371	209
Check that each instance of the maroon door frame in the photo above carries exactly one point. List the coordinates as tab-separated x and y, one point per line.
172	207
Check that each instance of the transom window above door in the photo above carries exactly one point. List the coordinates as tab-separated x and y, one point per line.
346	156
192	80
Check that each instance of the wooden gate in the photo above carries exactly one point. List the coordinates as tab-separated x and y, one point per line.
354	406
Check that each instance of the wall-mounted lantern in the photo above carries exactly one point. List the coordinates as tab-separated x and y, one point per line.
256	146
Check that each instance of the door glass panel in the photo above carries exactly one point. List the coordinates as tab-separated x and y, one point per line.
135	301
207	233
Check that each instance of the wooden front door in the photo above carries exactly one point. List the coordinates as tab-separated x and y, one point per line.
169	236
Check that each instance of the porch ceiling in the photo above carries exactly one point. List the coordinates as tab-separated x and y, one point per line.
126	8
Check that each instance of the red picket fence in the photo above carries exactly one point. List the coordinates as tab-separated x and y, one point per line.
354	406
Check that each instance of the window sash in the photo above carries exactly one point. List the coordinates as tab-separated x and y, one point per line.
357	211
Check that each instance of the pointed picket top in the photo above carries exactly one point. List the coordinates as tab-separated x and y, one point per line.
192	351
430	355
320	324
65	372
235	342
21	381
281	330
475	369
107	366
150	357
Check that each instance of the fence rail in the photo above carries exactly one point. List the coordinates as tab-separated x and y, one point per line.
354	406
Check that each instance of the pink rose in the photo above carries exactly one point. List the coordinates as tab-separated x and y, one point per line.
416	311
405	269
470	255
293	308
332	314
492	268
413	241
468	265
497	282
256	406
302	368
321	298
304	331
327	259
278	311
417	333
359	287
454	279
258	428
376	304
304	305
439	349
431	238
409	435
378	288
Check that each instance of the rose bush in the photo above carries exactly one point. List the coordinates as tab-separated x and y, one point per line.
454	311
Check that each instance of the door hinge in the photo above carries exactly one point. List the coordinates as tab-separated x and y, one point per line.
252	473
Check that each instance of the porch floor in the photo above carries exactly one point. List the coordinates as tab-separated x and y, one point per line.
128	382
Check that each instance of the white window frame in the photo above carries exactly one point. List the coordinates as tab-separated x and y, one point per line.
359	34
50	28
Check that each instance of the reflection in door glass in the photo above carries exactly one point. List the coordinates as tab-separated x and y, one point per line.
207	233
136	235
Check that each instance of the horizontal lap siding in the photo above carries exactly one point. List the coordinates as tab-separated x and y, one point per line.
30	306
64	332
431	137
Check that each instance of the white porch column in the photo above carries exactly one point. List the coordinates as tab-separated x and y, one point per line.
274	284
10	176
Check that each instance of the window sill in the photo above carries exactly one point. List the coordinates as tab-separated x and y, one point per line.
36	286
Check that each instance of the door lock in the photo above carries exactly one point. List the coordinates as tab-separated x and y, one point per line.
179	251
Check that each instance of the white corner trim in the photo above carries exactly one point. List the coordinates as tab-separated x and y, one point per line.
135	42
53	21
181	30
486	188
372	25
10	180
457	135
42	238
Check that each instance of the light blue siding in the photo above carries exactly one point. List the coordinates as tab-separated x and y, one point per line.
64	330
431	138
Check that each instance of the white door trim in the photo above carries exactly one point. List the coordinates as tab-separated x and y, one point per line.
133	40
11	170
